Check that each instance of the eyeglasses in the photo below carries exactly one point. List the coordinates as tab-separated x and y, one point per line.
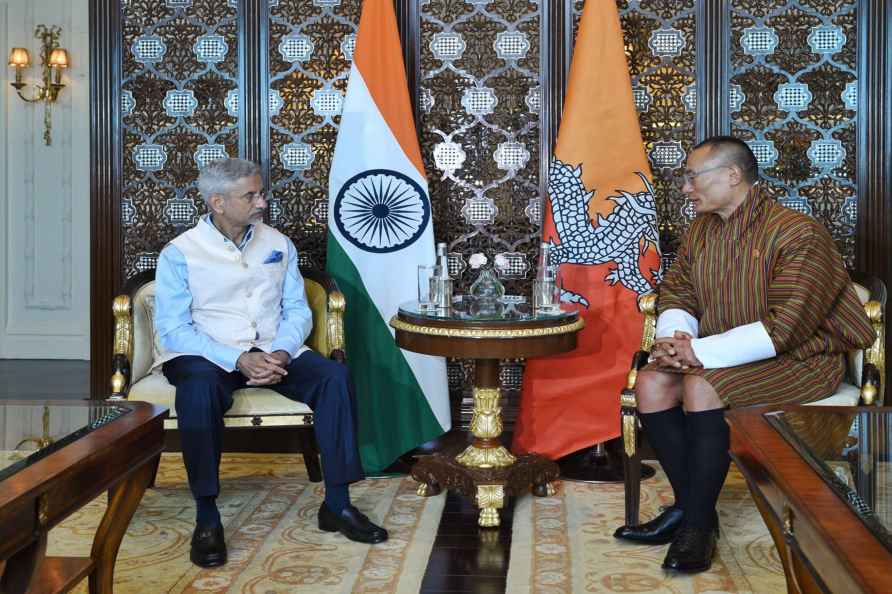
253	196
689	176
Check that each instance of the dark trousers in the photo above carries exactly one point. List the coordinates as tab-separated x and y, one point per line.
204	394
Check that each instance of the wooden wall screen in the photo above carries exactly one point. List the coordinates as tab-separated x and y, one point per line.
177	82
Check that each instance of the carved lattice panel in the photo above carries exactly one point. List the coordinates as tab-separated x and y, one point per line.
660	46
180	66
479	118
479	100
793	97
310	49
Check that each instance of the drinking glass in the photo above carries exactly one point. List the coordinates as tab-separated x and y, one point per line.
440	290
425	283
546	296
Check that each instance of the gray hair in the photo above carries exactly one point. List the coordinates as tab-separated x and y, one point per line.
218	177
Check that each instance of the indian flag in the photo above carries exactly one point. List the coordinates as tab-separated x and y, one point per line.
379	231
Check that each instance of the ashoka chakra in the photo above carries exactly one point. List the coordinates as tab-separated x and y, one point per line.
380	210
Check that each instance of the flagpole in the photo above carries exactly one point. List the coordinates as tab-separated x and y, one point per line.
600	463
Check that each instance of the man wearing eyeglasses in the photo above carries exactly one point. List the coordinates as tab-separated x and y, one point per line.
231	312
757	308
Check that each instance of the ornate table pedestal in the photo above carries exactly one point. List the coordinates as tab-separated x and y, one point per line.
485	469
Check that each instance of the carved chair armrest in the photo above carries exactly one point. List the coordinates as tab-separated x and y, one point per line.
629	404
874	365
647	304
871	383
336	305
122	352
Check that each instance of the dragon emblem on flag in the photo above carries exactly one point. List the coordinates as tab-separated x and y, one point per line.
621	238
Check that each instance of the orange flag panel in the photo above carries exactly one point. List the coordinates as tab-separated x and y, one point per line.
600	214
380	62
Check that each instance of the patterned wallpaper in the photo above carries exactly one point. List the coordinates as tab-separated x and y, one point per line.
479	99
180	75
479	102
793	96
310	48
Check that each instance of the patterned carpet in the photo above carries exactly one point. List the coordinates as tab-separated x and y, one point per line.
561	544
564	544
269	511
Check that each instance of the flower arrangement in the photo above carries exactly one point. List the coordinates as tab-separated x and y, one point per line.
479	260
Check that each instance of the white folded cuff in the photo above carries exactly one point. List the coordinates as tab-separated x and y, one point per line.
676	319
738	346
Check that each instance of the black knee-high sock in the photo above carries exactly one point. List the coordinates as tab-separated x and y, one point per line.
666	432
708	441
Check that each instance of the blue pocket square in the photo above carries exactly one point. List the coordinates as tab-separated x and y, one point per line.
274	256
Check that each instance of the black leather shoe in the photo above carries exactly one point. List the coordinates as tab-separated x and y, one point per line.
352	523
208	546
660	530
691	551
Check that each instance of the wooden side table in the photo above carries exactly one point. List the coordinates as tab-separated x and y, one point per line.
485	469
95	446
821	485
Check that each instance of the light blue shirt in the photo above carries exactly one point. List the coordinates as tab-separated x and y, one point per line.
173	308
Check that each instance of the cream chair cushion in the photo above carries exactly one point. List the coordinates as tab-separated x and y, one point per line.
248	402
846	395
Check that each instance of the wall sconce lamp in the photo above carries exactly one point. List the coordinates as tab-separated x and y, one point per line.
52	60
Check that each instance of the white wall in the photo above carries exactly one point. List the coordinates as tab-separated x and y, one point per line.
44	192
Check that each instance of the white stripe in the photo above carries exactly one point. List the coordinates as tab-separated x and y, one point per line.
738	346
365	142
676	319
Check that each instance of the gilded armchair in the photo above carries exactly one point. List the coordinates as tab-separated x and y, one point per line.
862	385
135	347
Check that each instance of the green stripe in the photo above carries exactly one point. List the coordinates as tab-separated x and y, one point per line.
394	415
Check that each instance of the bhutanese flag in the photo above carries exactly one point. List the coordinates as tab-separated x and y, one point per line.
379	231
600	214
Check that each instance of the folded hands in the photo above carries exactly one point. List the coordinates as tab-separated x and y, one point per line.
263	369
675	352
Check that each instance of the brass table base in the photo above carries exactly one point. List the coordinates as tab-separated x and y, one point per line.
488	486
484	469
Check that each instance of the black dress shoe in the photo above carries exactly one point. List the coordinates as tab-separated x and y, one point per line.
691	551
208	546
660	530
352	523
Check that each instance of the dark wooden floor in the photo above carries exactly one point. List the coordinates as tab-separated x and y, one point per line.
466	558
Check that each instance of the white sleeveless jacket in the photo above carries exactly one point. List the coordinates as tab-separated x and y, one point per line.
236	295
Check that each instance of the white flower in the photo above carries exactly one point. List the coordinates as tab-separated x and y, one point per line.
501	261
477	260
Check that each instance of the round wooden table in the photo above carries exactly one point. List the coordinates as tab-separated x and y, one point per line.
485	469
